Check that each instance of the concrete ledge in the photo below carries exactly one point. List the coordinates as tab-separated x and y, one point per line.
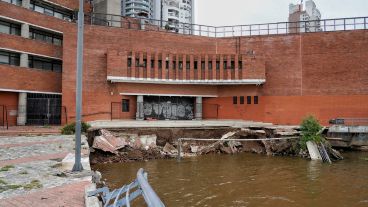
93	200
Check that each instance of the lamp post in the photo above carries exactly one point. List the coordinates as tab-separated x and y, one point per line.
77	164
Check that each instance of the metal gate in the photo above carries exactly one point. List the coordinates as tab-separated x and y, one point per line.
44	109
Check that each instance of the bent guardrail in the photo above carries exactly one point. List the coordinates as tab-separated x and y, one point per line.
122	196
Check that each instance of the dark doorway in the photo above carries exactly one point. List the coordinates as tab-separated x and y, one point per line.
168	108
43	109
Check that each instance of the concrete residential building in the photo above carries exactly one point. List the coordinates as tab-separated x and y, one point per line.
310	14
133	72
139	8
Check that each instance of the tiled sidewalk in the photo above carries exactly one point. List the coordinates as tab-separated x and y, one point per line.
27	159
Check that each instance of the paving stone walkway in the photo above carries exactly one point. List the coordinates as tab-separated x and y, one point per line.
31	173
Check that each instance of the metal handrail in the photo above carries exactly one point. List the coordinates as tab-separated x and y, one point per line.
123	196
277	28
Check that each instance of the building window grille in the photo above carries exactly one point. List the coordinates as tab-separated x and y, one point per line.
44	63
9	58
255	99
125	105
235	100
249	99
45	36
9	28
241	99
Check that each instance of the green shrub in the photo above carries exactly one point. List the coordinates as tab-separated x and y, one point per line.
69	129
310	131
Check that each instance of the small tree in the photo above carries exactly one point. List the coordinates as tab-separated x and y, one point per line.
310	131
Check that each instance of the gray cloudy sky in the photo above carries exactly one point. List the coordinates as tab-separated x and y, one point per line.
235	12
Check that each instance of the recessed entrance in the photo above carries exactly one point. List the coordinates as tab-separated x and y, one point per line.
168	108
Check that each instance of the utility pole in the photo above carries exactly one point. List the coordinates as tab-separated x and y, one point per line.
77	164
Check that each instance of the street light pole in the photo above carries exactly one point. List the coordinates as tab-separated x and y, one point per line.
78	165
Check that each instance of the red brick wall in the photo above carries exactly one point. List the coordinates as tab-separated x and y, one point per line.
17	78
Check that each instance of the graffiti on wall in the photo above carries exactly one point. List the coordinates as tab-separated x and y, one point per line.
164	108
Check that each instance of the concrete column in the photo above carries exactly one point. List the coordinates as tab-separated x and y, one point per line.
140	114
24	60
198	111
22	109
26	4
24	30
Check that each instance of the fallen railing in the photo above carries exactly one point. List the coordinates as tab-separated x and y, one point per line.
227	140
123	196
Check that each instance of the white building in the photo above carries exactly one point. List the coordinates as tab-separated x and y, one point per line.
138	8
169	12
311	14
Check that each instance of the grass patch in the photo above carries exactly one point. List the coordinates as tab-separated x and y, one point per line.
3	182
4	188
34	184
6	168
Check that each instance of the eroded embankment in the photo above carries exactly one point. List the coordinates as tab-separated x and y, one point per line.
138	144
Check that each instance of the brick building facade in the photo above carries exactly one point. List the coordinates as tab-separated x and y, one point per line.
140	74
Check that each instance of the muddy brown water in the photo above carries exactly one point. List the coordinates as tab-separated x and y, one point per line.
249	180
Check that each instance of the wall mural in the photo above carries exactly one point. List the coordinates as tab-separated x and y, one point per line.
172	108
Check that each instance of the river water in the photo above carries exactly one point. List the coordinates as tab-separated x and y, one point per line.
249	180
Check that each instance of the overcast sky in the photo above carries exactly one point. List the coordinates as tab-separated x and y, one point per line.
235	12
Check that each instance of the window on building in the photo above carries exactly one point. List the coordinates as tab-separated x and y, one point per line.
9	58
145	63
195	65
240	65
241	99
129	62
203	65
255	99
188	65
60	13
225	65
235	100
232	64
160	64
125	105
152	63
15	2
9	28
210	65
180	65
45	36
217	65
174	65
249	99
137	62
44	63
167	65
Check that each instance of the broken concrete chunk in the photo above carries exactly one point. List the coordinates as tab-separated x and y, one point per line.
103	144
116	142
148	140
169	149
